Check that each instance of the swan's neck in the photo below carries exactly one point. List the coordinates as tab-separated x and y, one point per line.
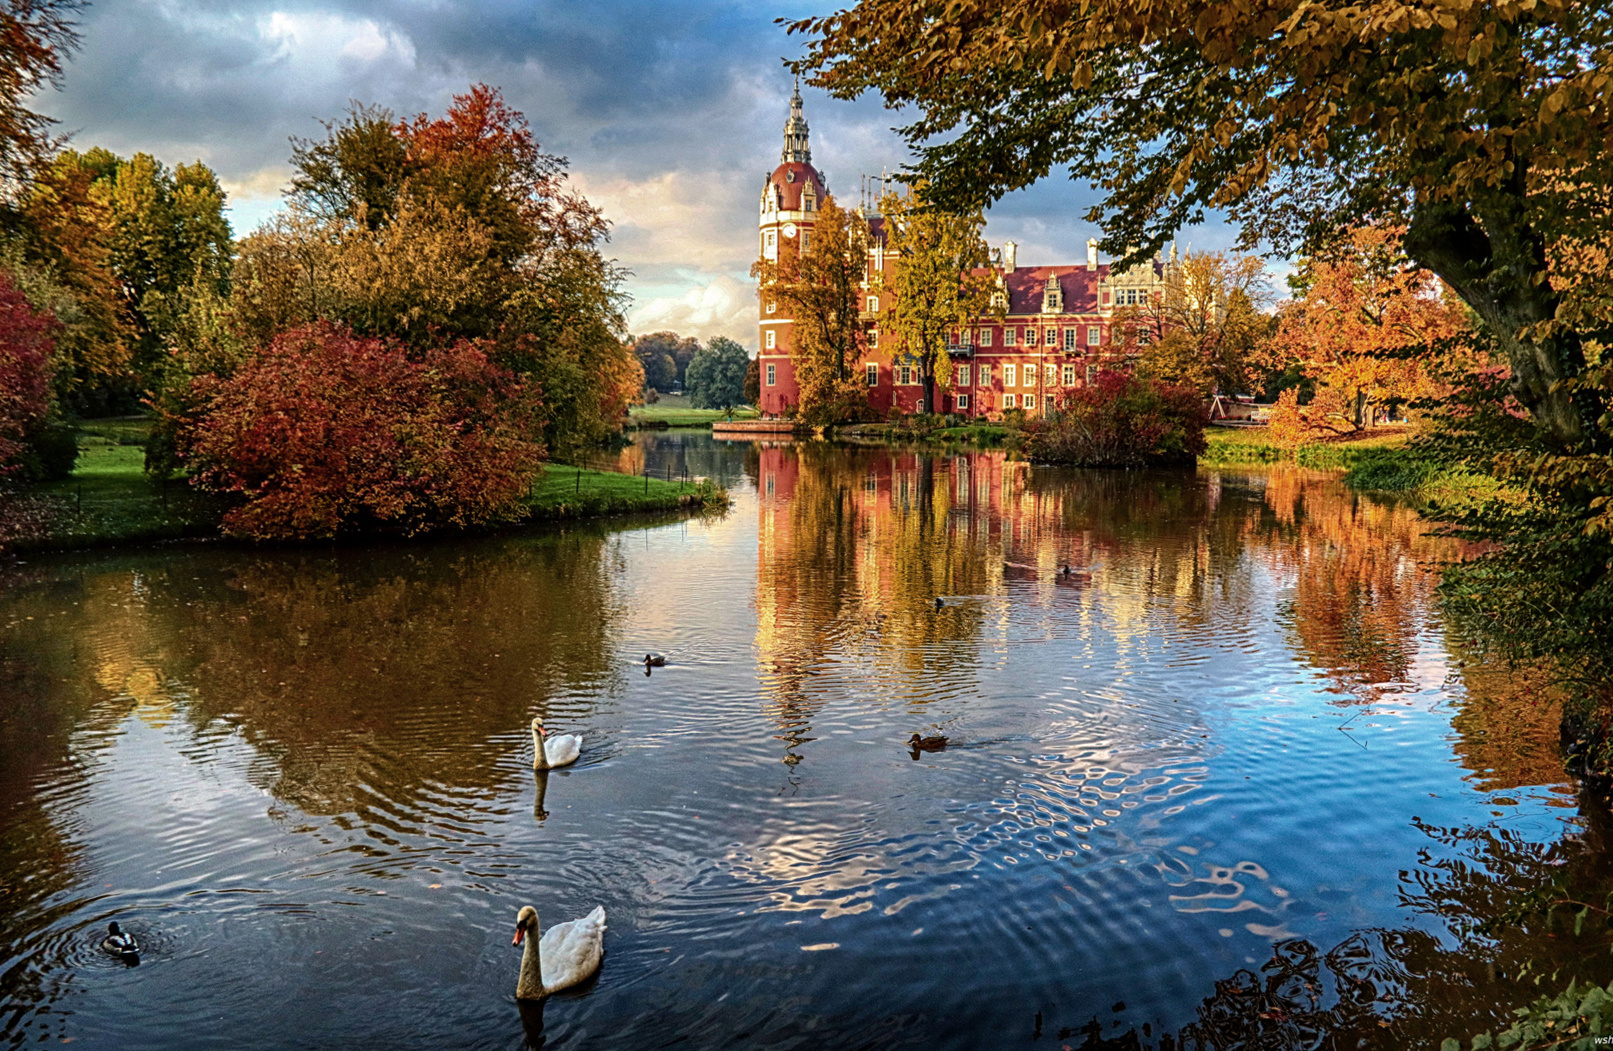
530	985
540	757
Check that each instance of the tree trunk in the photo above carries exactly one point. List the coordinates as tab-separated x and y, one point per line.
1499	269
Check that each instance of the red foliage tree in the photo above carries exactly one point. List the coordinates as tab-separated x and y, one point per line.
25	371
324	432
1122	420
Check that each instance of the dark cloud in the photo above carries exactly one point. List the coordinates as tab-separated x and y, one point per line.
669	111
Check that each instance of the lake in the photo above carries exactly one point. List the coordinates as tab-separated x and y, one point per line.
1225	782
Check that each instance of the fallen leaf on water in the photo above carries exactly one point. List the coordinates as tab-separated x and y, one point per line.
435	886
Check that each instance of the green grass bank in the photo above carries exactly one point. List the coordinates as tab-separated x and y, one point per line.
674	410
110	500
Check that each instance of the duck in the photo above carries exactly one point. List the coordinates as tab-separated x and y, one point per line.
940	603
550	752
927	744
654	660
566	954
119	942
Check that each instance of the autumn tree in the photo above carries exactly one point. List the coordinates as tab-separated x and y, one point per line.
457	226
1204	326
35	36
1483	129
717	375
1363	325
25	365
938	279
820	289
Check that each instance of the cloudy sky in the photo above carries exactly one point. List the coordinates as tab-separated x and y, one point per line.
670	113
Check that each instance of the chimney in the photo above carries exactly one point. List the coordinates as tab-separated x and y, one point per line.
1010	249
1092	254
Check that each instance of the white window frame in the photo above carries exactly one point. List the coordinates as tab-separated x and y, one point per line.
963	375
1069	338
985	337
1092	374
1010	375
1050	337
1008	337
985	375
772	339
1008	401
871	371
1094	335
1050	375
1069	375
873	304
1029	400
772	373
772	306
963	401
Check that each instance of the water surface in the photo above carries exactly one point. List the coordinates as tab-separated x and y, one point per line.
1202	790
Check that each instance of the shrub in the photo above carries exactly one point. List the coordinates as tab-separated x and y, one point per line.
1121	421
324	432
51	452
25	372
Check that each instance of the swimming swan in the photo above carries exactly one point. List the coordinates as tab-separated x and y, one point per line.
566	954
549	752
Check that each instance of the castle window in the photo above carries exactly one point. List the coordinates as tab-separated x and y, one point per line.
772	306
873	304
1051	375
1030	337
1008	337
1010	375
772	339
1069	339
1008	401
1069	375
772	372
963	401
873	337
1094	335
806	239
1030	401
963	375
985	375
1051	337
872	369
985	337
1092	374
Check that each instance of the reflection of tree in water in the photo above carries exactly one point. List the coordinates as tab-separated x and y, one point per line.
1415	986
855	547
396	672
1359	590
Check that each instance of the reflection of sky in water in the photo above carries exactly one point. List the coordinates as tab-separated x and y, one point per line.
306	776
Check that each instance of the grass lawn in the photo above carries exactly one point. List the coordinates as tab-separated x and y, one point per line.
109	499
573	492
674	410
1233	446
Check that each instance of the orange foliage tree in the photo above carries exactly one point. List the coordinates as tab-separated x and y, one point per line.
1364	312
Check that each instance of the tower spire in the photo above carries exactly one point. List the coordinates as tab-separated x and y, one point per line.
796	147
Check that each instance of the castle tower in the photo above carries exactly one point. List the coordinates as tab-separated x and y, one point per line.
791	197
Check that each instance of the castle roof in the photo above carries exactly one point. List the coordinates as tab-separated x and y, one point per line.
790	179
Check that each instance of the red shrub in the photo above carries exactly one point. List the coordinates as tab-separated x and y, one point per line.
25	368
1122	421
323	431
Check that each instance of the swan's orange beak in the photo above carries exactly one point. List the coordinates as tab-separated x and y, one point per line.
520	932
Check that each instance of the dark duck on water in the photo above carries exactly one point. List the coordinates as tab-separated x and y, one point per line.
927	744
119	942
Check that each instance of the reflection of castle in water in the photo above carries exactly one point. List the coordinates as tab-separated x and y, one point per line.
855	545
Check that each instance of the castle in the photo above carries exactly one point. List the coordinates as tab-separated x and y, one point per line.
1056	333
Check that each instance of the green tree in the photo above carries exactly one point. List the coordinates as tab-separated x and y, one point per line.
1483	128
665	356
717	375
939	280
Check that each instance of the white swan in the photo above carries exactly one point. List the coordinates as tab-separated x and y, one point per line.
566	954
549	752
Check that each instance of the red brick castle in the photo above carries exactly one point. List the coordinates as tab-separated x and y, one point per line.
1056	334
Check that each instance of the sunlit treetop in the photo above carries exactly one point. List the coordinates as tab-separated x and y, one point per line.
1482	127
